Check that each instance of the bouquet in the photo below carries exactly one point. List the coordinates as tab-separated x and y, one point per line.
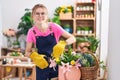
9	33
69	58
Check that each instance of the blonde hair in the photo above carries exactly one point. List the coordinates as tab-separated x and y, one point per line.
39	6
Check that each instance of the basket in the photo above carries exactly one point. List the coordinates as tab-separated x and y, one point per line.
89	73
66	15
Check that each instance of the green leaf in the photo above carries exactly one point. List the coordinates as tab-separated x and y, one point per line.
26	22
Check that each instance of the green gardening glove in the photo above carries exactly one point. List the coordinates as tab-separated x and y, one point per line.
39	60
58	49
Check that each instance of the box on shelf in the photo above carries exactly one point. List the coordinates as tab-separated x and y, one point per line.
65	15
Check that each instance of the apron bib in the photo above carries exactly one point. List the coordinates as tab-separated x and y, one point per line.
45	45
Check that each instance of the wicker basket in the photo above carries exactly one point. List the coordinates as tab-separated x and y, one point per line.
89	73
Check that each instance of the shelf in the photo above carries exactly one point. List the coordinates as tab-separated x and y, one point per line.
67	19
12	49
84	34
85	3
85	18
85	10
15	57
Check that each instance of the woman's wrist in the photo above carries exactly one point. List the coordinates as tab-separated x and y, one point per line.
67	42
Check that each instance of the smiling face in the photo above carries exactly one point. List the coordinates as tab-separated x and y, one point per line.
39	14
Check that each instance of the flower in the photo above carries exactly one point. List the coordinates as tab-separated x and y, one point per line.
69	58
63	9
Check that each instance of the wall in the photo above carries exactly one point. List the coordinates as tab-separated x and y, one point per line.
13	10
0	28
103	30
114	41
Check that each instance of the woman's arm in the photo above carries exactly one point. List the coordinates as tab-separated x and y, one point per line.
28	49
70	38
58	49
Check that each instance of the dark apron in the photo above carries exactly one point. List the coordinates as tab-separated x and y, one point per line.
45	44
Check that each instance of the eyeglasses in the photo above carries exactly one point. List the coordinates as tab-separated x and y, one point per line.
42	13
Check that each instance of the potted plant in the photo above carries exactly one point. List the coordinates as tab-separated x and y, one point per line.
67	27
86	29
68	65
63	9
26	22
89	43
9	33
64	12
16	44
79	29
89	66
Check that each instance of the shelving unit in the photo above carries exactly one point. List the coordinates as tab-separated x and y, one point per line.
68	21
85	16
83	21
4	51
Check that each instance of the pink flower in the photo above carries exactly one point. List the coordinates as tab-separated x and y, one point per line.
52	64
77	65
65	67
74	53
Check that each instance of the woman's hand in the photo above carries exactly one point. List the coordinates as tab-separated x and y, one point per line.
27	54
39	60
58	49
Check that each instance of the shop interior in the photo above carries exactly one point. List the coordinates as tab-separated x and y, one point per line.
82	18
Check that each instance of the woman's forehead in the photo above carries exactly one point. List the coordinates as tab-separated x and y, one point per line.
40	10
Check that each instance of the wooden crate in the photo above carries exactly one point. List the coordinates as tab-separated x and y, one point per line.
65	15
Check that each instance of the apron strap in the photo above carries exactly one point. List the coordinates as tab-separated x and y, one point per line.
33	45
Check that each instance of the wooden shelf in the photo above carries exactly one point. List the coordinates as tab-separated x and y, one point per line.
84	16
67	19
12	49
5	51
84	34
85	2
15	57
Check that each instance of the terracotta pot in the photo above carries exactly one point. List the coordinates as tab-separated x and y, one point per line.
73	74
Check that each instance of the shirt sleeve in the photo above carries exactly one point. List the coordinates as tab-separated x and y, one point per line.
58	31
30	36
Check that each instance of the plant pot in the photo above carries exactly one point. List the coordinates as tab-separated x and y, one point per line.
9	43
16	46
78	32
68	30
73	73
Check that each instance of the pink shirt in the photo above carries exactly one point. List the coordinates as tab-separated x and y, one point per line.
58	30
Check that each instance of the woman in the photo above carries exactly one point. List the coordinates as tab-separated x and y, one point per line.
45	36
